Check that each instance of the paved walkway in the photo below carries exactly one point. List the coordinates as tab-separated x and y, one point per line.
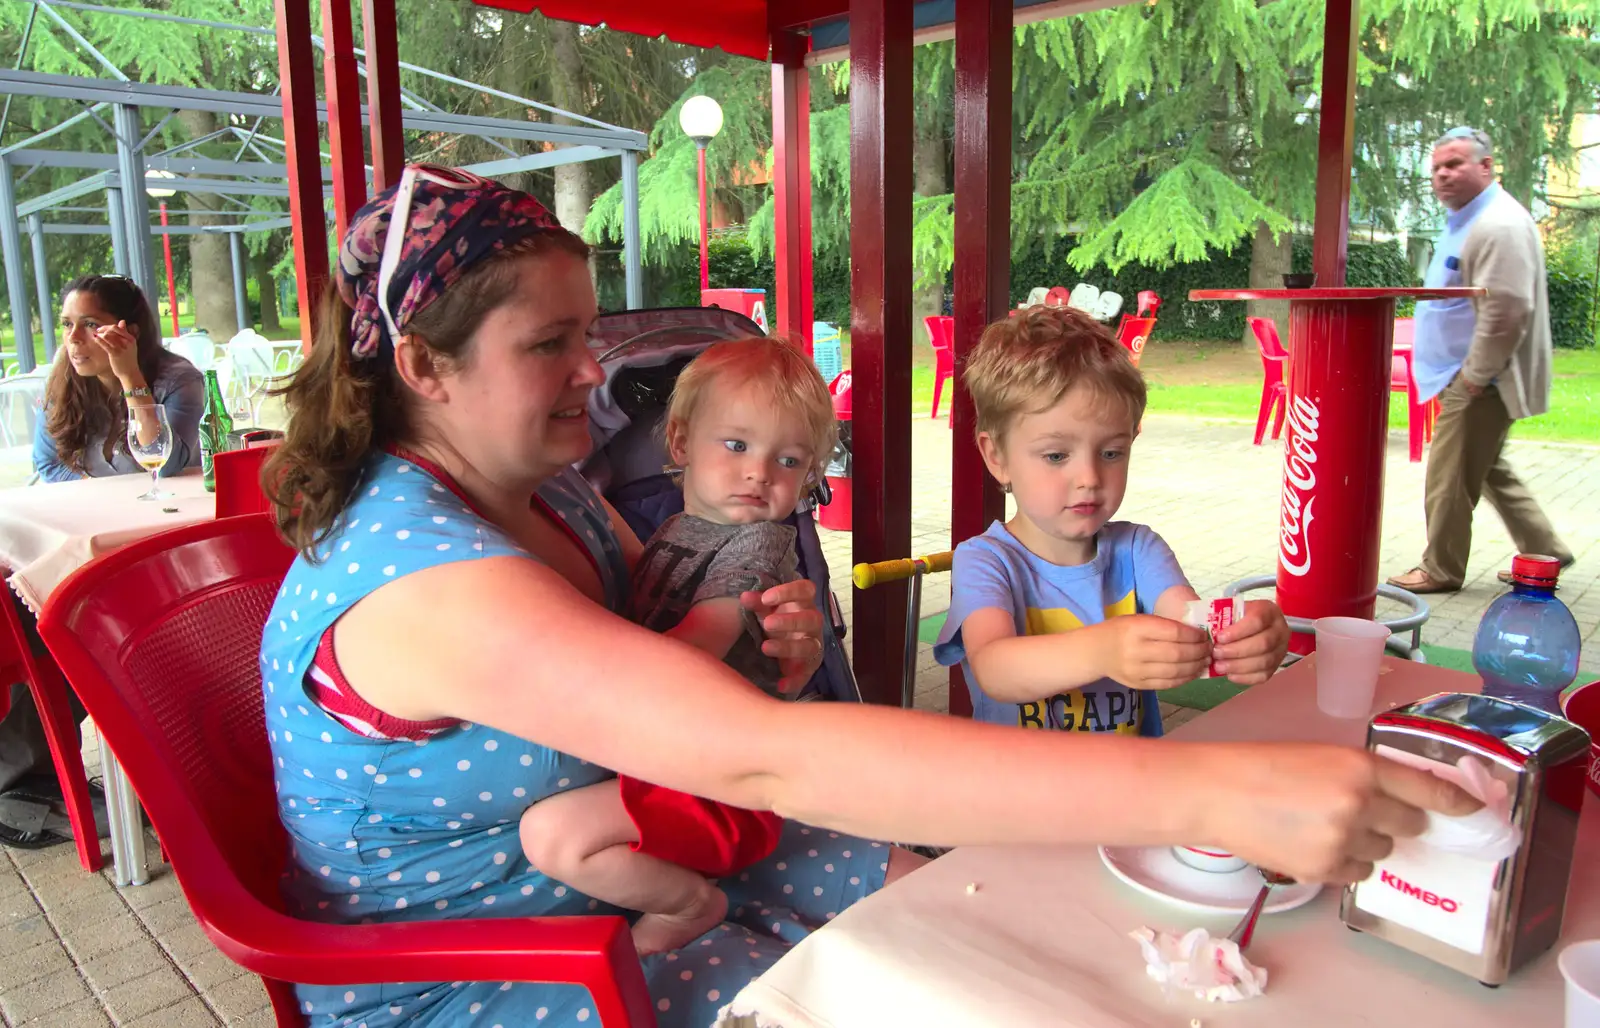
77	953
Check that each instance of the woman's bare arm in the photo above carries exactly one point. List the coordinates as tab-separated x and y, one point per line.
507	643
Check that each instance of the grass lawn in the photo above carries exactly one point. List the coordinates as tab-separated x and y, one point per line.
1220	380
1223	381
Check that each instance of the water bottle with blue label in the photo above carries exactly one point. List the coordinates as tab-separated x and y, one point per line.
1527	644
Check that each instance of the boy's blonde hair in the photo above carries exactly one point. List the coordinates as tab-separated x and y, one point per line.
777	371
1027	363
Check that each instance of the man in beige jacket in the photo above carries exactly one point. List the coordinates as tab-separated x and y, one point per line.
1487	359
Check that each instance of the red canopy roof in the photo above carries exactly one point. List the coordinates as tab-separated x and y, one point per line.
737	26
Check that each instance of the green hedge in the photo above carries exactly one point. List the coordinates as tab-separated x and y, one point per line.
733	265
1571	284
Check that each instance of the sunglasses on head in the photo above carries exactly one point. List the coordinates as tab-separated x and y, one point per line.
400	223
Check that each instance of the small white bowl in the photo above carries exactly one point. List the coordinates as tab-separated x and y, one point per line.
1203	858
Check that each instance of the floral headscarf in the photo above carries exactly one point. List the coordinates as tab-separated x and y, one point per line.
449	220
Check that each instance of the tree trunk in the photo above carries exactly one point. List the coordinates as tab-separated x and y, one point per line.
1270	260
928	170
261	266
210	261
567	91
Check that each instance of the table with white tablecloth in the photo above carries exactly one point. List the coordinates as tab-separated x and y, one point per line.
49	531
1044	938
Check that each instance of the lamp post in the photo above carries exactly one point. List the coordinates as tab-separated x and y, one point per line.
166	242
701	118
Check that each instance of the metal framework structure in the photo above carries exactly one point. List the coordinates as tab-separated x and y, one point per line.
261	165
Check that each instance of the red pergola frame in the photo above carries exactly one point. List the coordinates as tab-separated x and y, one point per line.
881	37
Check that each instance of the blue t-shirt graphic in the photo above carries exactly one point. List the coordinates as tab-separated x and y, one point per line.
1132	567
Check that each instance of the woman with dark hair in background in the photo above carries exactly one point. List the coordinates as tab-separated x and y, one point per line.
112	363
111	366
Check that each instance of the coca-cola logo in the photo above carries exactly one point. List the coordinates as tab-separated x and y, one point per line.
1449	906
1137	346
1299	482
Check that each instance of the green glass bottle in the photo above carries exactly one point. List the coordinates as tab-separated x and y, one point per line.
215	425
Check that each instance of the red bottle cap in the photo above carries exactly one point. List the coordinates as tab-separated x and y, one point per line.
1535	569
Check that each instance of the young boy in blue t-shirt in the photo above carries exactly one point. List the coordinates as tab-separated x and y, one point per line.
1062	618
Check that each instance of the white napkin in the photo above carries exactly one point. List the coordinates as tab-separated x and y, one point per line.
1212	969
1486	834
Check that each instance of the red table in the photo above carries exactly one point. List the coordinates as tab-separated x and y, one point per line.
1331	510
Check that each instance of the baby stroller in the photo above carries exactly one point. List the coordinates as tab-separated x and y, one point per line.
642	353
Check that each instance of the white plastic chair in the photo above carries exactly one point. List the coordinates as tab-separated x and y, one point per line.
1085	297
255	363
1036	296
21	404
1109	306
198	348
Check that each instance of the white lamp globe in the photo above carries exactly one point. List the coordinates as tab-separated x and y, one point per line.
157	191
701	118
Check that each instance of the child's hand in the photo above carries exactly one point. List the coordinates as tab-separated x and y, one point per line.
1249	651
1145	651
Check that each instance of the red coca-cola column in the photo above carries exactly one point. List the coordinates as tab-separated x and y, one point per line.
1331	511
1330	520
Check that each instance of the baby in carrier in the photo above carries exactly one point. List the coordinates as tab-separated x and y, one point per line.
750	425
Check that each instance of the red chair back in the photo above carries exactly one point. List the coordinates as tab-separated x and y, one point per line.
238	474
1149	303
1266	332
1405	333
1133	333
162	640
941	332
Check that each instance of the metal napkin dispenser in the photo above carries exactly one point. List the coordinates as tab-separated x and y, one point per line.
1485	919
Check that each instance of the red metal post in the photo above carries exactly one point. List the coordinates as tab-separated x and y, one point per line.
705	226
346	139
983	251
880	325
172	285
791	184
297	75
1335	142
383	92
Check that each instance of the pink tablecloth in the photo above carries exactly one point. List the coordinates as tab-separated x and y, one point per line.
1044	939
49	531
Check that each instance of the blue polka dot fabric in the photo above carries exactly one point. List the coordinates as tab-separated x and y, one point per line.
386	830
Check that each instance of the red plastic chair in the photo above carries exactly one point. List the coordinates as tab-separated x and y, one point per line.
1274	386
941	333
1133	333
18	663
1149	303
162	640
1402	379
238	474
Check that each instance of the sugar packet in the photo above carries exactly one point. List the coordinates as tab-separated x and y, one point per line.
1213	616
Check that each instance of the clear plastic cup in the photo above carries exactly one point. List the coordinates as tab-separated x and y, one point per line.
1580	966
1349	653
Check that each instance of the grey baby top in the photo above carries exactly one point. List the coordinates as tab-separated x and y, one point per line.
690	560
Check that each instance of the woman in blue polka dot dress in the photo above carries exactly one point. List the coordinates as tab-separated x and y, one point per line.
446	651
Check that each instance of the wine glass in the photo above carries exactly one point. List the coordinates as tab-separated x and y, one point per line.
150	443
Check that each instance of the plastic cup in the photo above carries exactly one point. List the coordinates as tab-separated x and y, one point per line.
1580	966
1349	653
